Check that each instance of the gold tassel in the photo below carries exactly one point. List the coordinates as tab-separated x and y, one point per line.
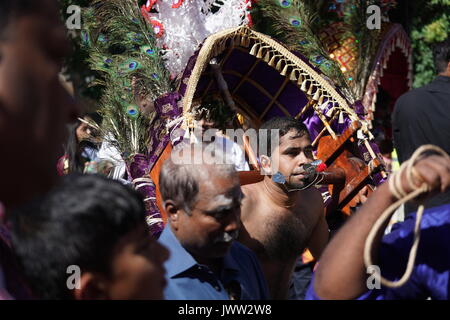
341	118
329	113
272	61
278	66
300	79
311	87
260	53
254	48
293	76
284	72
303	88
317	95
322	97
267	56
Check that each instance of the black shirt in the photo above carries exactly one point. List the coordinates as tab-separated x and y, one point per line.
422	116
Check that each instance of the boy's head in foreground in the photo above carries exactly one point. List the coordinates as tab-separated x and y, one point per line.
94	225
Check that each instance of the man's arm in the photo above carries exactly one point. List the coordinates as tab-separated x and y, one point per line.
341	272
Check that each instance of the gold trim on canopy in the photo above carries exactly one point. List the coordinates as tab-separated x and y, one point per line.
312	83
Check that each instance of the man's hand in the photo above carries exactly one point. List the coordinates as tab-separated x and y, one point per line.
434	171
341	273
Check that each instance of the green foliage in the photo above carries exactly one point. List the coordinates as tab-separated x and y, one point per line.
437	31
431	26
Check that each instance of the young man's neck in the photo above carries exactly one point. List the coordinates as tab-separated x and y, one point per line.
278	193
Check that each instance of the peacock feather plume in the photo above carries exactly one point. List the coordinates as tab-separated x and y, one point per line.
131	67
367	41
296	24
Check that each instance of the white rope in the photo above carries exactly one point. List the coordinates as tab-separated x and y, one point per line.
144	185
396	188
143	179
174	122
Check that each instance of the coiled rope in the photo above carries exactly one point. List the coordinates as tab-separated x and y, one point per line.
396	188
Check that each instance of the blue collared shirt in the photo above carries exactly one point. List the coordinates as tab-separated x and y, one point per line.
189	280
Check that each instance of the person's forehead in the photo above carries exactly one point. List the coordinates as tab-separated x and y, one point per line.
294	139
219	189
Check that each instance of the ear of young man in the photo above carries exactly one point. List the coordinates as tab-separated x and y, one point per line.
266	165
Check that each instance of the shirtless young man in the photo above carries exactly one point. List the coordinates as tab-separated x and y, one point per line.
280	222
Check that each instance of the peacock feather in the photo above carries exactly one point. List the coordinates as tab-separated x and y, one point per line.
367	41
296	24
123	51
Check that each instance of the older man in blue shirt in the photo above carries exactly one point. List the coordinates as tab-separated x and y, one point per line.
203	203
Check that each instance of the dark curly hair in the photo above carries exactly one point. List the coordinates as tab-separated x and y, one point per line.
77	223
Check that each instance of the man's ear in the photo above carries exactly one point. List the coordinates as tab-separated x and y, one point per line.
266	165
173	212
92	287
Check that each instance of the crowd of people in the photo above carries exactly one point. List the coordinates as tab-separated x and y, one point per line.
222	241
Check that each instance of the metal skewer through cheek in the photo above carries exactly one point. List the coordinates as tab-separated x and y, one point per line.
314	182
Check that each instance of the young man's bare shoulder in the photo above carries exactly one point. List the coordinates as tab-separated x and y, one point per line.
253	194
250	191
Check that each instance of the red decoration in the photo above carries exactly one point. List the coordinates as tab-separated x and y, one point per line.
158	27
149	5
321	167
177	3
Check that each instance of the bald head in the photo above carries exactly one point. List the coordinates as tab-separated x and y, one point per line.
182	175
